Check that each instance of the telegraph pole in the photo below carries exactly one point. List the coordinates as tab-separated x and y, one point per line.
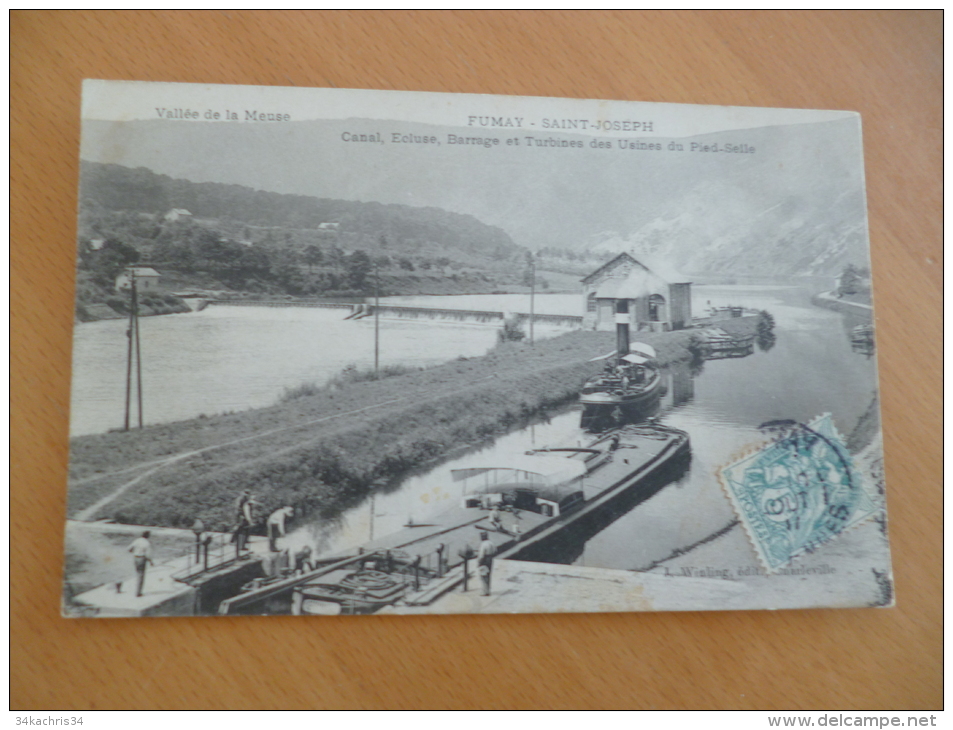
135	314
129	350
377	320
133	351
532	297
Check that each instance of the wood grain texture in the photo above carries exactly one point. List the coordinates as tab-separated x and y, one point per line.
886	65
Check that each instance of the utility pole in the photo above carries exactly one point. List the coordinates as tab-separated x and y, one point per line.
133	351
135	311
129	351
377	310
532	297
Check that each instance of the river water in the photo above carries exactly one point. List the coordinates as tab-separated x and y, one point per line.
233	358
810	370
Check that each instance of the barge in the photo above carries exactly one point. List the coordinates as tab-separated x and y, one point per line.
542	505
716	344
626	392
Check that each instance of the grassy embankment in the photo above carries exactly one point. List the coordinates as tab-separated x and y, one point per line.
324	451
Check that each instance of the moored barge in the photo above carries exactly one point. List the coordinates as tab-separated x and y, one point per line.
542	506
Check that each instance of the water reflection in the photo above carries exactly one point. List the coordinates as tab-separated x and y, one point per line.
862	339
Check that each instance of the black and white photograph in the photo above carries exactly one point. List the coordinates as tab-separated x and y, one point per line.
352	352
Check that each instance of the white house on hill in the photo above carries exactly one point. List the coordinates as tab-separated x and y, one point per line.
626	290
177	214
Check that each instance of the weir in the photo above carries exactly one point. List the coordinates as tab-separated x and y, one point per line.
360	311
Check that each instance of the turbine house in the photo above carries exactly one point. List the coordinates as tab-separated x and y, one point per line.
626	291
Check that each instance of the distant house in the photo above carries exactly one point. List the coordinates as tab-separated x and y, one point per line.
177	214
626	290
97	243
328	226
147	279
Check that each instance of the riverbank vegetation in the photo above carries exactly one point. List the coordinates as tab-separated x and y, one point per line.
326	448
854	285
350	374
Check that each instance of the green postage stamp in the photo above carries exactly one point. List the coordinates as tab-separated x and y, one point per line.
798	492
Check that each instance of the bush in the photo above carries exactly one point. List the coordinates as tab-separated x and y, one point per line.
512	331
350	374
118	304
300	391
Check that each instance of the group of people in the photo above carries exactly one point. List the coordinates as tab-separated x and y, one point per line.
276	524
627	373
245	519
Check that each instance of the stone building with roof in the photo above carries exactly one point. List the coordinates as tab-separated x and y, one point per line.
147	279
625	290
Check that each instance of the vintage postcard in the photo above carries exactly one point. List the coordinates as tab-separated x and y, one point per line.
346	352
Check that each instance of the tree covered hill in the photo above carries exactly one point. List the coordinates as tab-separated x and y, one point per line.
212	236
407	229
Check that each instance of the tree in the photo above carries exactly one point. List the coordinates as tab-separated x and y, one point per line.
313	257
850	281
112	258
336	257
254	262
286	274
218	254
406	264
512	331
358	267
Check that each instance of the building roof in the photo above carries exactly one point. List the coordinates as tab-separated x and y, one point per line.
659	269
608	265
639	282
140	271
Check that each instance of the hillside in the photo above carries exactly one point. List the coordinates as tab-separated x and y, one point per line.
356	224
212	236
794	206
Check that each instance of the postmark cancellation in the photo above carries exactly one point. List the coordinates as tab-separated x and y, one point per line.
798	491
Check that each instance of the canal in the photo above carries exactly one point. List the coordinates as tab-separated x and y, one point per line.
811	369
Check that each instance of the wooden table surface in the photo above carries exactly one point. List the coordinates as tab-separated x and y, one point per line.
886	65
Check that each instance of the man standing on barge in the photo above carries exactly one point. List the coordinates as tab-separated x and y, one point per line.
276	526
485	561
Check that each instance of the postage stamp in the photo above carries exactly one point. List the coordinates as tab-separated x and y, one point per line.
798	492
